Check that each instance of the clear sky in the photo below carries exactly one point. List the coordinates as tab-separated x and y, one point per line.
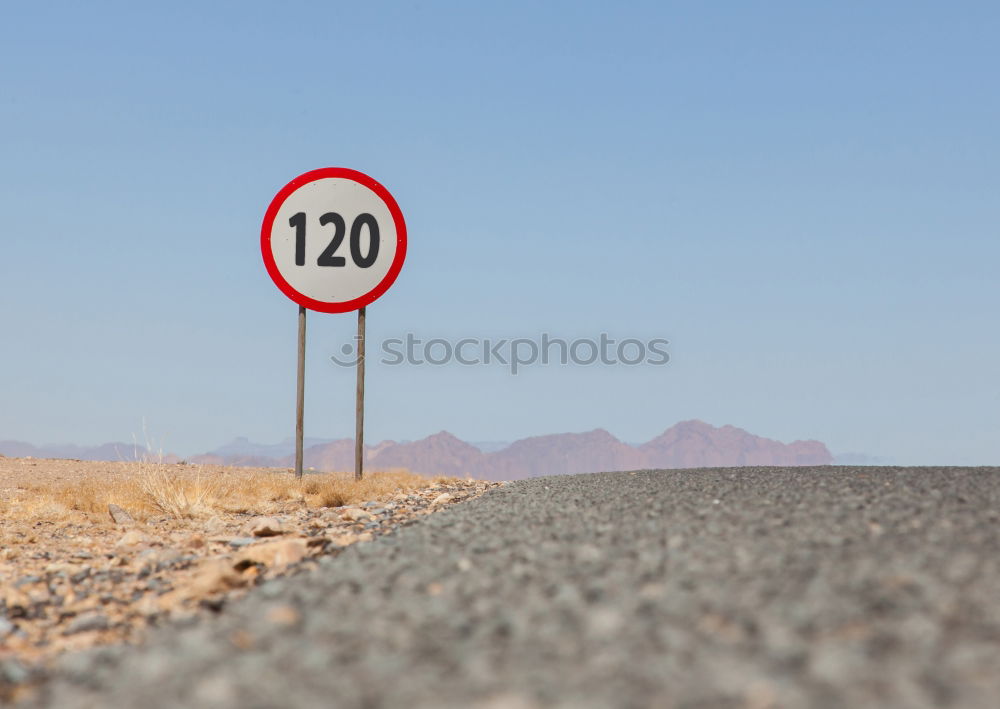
804	198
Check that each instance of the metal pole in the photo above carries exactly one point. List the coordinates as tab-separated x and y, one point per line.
359	412
300	392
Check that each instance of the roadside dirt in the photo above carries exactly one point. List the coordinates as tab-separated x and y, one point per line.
186	539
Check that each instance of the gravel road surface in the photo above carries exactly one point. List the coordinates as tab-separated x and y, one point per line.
738	587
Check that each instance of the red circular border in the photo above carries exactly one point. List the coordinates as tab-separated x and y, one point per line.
285	286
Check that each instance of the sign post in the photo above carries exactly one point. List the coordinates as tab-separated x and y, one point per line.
300	392
333	240
359	408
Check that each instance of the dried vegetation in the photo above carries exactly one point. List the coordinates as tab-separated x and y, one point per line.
191	492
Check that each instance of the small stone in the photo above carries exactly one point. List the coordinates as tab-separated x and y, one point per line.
276	555
157	585
214	576
146	560
59	569
119	515
195	541
86	623
6	627
343	540
354	514
263	527
238	542
39	595
132	538
13	672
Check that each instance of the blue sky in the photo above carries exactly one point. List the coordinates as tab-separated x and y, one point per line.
801	197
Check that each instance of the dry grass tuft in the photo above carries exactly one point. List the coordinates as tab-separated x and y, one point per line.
190	492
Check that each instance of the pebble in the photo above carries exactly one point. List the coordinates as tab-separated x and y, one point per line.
442	499
276	555
6	627
86	623
132	538
263	527
157	585
354	514
119	515
13	671
195	541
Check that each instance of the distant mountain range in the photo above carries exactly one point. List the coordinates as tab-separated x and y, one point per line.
106	451
689	444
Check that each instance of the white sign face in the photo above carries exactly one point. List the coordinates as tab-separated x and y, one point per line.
333	240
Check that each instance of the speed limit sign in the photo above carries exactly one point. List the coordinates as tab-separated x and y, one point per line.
333	240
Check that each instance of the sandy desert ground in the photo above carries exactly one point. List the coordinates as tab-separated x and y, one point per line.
186	539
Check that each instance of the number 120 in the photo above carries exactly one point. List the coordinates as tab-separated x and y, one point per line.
327	258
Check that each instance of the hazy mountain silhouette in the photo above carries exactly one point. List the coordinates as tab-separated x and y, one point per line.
689	444
106	451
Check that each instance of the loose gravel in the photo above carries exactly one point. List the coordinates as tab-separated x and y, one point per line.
749	587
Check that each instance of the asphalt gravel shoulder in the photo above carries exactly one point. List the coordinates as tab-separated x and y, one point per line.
734	587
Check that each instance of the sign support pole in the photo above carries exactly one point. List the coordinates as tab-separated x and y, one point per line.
359	412
300	392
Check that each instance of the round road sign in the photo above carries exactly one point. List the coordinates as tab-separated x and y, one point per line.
333	240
